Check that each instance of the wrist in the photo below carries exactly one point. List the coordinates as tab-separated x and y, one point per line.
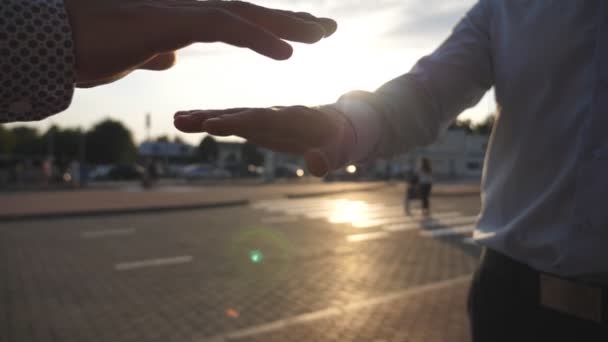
340	149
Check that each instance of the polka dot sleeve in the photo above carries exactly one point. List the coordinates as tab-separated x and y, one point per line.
37	64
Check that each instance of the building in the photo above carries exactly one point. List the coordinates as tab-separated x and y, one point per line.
165	151
456	154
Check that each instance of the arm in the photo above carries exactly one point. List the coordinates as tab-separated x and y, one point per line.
406	112
414	109
47	46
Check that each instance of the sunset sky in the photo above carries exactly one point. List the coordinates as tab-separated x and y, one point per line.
375	42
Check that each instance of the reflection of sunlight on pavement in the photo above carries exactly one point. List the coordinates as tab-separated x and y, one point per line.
348	211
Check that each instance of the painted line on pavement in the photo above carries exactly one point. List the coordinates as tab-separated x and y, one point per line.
367	237
127	266
336	311
107	233
404	219
448	231
405	226
280	219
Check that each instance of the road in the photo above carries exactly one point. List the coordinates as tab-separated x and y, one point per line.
347	267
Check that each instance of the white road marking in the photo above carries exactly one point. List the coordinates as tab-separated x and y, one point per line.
301	207
286	204
280	219
126	266
329	212
430	224
403	219
448	231
366	237
336	311
107	233
401	227
460	220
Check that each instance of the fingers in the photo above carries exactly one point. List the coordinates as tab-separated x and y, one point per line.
294	26
304	125
317	163
187	25
311	132
299	27
284	146
160	62
192	121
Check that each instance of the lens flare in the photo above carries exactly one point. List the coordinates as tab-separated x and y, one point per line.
256	256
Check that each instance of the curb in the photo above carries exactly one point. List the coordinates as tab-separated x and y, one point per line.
199	206
126	211
333	192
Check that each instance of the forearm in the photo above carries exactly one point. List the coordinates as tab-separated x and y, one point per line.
36	58
414	109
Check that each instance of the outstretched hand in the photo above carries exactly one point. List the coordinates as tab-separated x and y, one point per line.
322	135
114	37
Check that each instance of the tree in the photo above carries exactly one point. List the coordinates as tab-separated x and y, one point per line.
208	150
251	155
28	142
163	139
7	141
485	127
110	142
65	142
465	125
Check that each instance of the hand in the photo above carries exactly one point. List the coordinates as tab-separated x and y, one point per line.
114	37
324	136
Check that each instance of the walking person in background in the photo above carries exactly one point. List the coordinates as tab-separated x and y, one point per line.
420	182
412	190
425	176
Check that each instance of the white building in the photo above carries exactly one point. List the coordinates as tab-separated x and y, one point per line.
455	154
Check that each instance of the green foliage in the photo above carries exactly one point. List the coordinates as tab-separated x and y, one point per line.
481	128
28	142
7	141
208	150
63	144
110	142
251	155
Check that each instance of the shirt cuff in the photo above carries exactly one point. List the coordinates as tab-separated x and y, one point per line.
37	63
366	125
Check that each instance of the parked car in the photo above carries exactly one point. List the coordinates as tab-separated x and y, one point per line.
204	171
99	172
125	172
289	171
347	173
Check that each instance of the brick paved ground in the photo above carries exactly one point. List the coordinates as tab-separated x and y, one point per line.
62	279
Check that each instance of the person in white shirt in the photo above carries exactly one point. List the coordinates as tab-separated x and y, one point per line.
543	275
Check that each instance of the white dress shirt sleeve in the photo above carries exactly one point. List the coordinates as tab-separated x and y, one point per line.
413	109
37	63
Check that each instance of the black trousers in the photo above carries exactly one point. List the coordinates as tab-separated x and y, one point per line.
504	305
425	192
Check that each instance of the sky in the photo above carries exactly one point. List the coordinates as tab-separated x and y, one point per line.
375	42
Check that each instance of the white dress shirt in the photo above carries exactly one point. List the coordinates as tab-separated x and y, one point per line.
545	181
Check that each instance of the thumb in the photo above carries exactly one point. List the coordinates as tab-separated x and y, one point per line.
317	163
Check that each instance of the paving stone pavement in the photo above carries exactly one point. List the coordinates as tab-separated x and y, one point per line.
197	275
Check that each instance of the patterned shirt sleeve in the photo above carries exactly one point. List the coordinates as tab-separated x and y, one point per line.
37	63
